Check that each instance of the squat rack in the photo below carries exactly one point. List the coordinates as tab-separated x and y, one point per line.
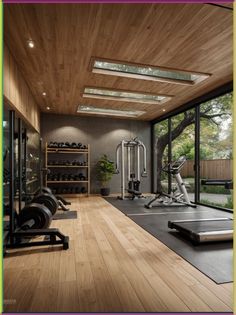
15	238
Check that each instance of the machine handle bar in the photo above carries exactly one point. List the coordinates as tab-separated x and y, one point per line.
174	166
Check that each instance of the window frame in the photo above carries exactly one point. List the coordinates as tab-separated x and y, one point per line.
193	104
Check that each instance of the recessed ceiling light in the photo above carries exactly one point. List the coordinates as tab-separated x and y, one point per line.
44	93
163	110
125	96
145	72
109	111
48	108
30	43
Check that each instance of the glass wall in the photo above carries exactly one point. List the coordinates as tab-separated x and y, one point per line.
6	169
183	144
160	157
215	150
32	161
26	162
216	142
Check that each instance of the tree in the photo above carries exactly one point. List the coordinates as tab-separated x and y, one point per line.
212	114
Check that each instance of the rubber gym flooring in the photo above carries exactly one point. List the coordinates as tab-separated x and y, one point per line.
215	260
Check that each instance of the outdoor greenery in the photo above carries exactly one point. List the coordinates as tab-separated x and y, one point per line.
105	170
228	204
216	131
190	185
215	140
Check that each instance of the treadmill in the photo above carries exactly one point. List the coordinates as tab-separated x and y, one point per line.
206	230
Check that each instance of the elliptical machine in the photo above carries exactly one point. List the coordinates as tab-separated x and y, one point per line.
180	195
130	163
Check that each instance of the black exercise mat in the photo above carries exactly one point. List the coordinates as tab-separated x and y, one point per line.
65	215
215	260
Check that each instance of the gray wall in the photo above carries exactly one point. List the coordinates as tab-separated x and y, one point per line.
103	135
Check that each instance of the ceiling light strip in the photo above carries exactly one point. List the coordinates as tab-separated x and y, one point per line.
145	72
109	111
125	96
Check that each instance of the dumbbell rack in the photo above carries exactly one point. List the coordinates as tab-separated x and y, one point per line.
69	152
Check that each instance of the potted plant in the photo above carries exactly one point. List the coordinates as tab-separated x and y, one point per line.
105	170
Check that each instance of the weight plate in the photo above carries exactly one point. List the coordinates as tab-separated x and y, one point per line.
46	190
39	213
48	200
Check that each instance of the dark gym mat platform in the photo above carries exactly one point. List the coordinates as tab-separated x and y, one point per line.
65	215
215	260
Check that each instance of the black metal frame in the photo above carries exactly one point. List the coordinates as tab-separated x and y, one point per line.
16	236
12	175
20	162
52	233
152	157
169	154
197	155
195	103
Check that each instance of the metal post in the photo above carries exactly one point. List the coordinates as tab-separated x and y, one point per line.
138	161
144	158
20	162
25	161
128	162
12	173
169	155
152	170
40	165
122	170
197	155
118	158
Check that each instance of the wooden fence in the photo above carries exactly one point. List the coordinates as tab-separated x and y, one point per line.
211	169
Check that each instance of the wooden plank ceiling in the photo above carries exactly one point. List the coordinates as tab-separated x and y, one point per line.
194	37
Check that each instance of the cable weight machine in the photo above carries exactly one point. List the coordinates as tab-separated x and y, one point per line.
128	161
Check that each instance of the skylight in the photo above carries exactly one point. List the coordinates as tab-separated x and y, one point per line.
119	95
109	111
144	72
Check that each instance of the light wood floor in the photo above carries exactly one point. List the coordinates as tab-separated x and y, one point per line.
112	265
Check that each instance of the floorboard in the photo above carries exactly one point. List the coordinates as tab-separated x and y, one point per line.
112	265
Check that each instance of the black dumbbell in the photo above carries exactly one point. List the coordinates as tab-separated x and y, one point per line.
81	176
51	144
83	190
76	177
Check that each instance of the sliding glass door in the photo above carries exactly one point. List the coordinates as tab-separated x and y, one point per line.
216	133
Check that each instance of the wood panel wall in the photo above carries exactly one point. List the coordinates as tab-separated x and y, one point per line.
17	93
211	169
194	37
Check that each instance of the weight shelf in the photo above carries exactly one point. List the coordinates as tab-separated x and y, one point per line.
66	181
63	166
69	151
66	151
